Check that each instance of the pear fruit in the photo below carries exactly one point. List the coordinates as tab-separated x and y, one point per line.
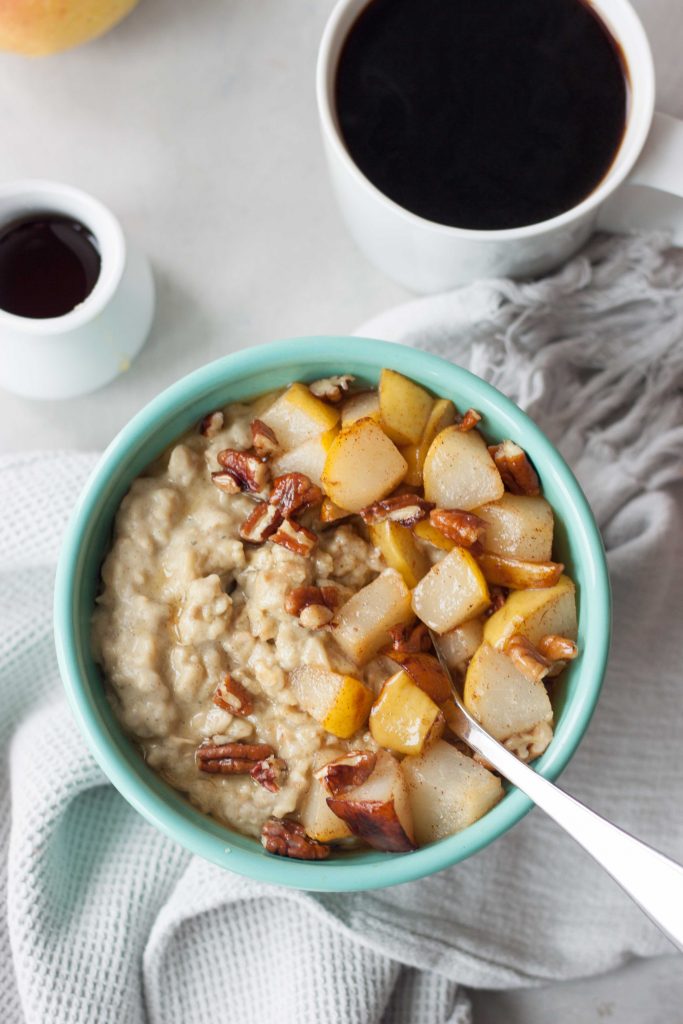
39	27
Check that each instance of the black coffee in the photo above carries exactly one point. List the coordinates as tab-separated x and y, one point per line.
482	113
48	265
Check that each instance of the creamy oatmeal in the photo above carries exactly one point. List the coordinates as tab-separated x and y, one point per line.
261	617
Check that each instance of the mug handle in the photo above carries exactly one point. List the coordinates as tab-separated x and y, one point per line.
651	195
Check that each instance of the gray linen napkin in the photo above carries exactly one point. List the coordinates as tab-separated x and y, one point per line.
107	920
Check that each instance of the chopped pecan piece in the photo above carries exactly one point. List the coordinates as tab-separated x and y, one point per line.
557	648
263	439
498	597
513	464
261	523
331	389
233	697
410	640
469	421
347	772
527	746
288	839
315	616
294	493
269	773
314	605
231	758
302	597
464	528
226	482
212	424
527	658
405	509
294	537
248	471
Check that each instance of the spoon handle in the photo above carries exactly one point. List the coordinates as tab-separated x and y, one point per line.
652	880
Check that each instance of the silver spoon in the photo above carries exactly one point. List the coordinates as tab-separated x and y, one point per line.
652	880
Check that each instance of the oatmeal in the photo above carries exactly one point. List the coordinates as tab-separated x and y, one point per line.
262	617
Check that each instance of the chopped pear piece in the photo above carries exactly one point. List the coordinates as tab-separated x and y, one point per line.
448	791
400	551
501	698
459	472
459	644
330	513
404	718
428	532
297	415
361	626
518	526
360	407
404	407
307	458
453	591
535	614
519	575
442	415
362	466
340	703
378	810
316	817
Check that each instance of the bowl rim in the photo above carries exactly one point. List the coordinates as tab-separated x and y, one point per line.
324	355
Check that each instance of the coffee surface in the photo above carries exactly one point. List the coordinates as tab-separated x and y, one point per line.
48	265
481	114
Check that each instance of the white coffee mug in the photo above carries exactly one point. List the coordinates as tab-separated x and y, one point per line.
64	356
430	257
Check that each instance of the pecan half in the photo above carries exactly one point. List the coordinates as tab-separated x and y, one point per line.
231	758
261	523
527	658
347	772
212	424
405	509
288	839
294	493
469	421
269	773
410	640
263	439
515	468
296	538
464	528
557	648
331	389
233	697
302	597
248	471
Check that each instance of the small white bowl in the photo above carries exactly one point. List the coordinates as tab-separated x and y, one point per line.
64	356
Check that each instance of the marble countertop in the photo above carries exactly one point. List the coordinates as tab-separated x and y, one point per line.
196	124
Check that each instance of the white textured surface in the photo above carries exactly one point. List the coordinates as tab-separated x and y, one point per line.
196	124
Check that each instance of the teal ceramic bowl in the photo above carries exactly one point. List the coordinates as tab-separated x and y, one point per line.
245	375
